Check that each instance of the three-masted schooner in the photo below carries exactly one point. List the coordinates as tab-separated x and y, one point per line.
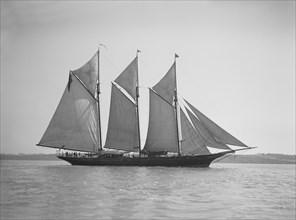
177	135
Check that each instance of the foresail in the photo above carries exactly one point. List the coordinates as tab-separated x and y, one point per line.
128	78
217	132
205	133
122	131
192	141
167	85
88	73
161	135
74	123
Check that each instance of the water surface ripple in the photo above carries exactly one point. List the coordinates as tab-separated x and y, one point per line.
56	190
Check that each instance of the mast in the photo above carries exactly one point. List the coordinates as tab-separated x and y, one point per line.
98	98
176	109
137	105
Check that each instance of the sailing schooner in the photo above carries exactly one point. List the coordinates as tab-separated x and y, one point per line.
178	135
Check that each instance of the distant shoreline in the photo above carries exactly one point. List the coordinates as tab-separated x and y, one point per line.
261	159
255	158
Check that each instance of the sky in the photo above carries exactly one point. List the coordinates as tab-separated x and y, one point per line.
236	62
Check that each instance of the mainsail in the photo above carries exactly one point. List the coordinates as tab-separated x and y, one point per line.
74	123
123	131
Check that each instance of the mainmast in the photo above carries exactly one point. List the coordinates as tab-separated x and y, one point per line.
176	108
137	105
98	98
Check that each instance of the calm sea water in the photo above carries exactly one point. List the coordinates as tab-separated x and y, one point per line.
56	190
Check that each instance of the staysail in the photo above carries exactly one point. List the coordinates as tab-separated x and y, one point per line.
192	141
218	133
123	131
74	123
206	134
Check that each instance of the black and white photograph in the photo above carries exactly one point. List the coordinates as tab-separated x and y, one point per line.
148	109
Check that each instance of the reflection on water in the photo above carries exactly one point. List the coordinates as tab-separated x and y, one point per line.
56	190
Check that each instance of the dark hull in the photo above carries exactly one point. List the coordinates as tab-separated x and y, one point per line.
177	161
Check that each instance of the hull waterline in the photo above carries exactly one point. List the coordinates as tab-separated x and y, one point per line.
177	161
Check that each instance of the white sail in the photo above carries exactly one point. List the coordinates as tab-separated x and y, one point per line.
161	135
74	123
122	131
217	132
192	141
88	74
167	85
205	133
128	78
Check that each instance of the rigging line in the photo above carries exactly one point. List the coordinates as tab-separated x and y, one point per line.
110	63
215	104
158	75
